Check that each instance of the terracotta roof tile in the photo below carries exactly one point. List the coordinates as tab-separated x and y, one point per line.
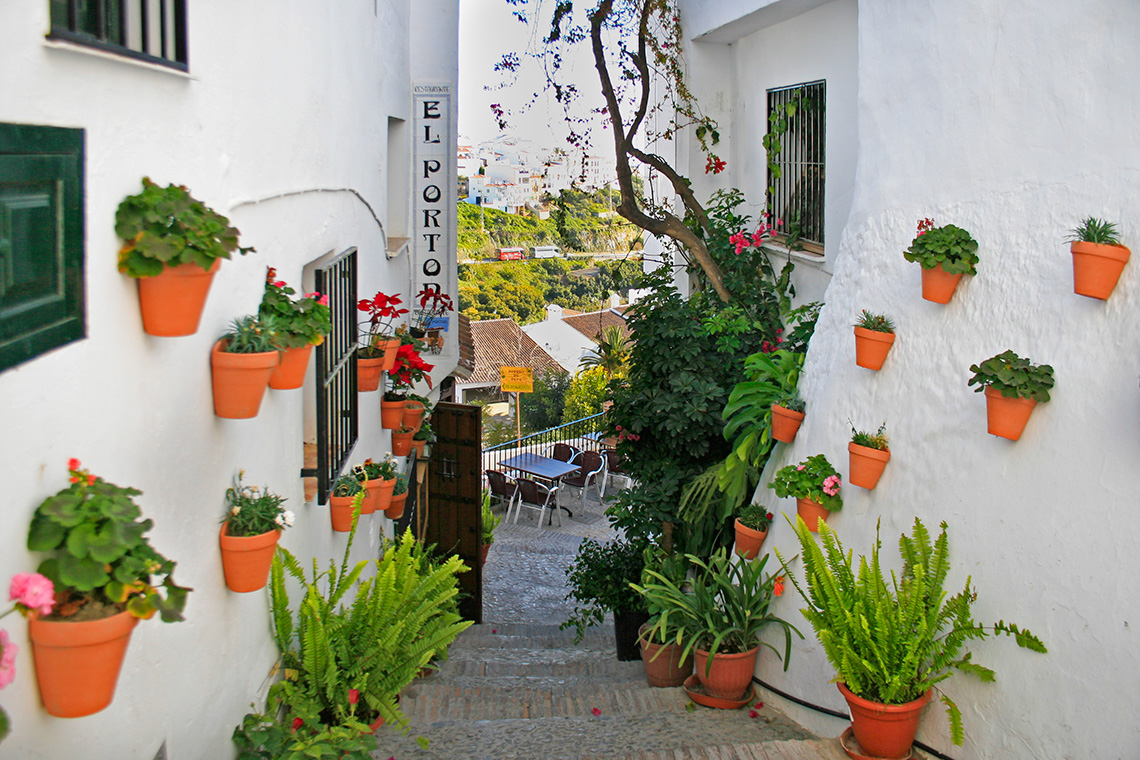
592	324
501	343
466	344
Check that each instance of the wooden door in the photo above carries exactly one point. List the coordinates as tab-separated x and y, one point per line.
453	519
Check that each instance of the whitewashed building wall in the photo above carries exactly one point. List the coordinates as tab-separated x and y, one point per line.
293	121
1013	120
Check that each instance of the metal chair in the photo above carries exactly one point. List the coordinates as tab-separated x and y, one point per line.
615	469
591	472
563	452
503	488
534	495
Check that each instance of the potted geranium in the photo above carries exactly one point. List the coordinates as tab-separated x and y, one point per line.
240	365
395	508
377	350
874	336
407	371
887	671
599	579
1098	258
869	455
106	574
346	501
718	616
945	254
251	527
33	594
378	478
301	324
1013	386
174	245
751	529
814	484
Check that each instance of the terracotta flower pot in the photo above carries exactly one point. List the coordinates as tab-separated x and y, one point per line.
392	414
811	512
78	664
884	731
340	510
402	442
1006	417
937	285
384	495
172	302
1097	267
664	667
240	381
867	465
872	347
395	509
290	373
748	540
368	372
413	415
730	675
483	551
390	349
785	423
371	497
418	447
246	560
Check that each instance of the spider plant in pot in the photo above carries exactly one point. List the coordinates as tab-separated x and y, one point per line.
346	502
751	529
241	364
1098	258
251	527
599	579
1013	386
888	671
874	336
174	245
719	618
814	484
945	254
666	665
106	577
378	341
869	455
301	323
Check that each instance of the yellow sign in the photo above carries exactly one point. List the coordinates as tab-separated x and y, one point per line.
516	379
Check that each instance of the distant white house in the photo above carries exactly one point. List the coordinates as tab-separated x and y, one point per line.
570	336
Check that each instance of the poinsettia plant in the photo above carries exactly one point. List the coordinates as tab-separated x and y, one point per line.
299	322
434	303
409	369
383	311
814	478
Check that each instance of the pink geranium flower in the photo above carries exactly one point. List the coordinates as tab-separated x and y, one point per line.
831	485
8	652
33	591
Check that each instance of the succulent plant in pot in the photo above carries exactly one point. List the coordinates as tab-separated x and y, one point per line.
1098	258
945	254
241	364
346	502
814	484
751	529
869	454
874	336
251	527
1013	386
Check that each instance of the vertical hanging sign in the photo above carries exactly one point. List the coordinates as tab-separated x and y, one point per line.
434	192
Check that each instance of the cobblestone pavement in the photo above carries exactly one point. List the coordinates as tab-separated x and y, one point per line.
516	687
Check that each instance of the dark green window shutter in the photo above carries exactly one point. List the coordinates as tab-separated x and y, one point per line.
41	240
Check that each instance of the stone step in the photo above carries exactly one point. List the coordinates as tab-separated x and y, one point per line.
698	735
500	699
533	636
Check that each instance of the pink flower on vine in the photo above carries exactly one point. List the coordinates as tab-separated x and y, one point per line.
740	240
714	165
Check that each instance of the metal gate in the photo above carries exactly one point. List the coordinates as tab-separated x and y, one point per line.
450	509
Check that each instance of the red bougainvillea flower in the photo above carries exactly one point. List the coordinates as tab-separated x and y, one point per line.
759	705
297	723
714	165
596	712
740	240
353	696
753	714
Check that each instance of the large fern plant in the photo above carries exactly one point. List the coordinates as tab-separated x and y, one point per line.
350	646
890	643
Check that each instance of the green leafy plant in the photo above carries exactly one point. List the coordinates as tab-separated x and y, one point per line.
252	511
490	519
723	608
1093	230
425	433
599	580
166	227
755	516
401	486
385	469
950	246
251	335
100	558
814	478
876	440
299	322
1013	377
347	485
916	638
263	737
875	322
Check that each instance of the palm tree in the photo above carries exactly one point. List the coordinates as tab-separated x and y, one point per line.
612	353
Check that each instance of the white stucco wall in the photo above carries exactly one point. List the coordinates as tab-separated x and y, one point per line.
1013	120
278	100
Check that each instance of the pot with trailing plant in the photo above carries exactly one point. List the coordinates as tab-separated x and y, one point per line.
174	245
751	529
869	455
599	579
1013	386
945	254
814	484
301	323
345	502
409	369
1098	258
106	576
490	521
241	363
874	336
378	341
719	615
395	508
378	479
887	672
250	530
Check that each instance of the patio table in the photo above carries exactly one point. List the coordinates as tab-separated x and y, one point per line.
542	467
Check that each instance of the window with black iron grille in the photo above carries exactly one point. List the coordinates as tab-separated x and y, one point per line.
149	30
337	415
796	184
